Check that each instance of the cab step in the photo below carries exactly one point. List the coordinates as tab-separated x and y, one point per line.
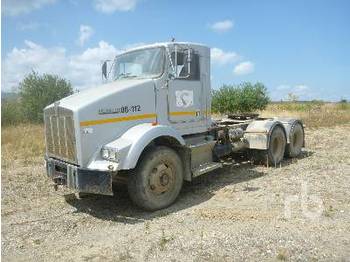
205	168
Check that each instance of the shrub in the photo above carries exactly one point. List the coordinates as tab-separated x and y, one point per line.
343	104
38	91
11	112
244	98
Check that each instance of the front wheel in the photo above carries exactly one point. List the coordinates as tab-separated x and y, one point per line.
157	180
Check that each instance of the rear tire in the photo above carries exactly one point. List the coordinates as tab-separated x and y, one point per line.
275	152
157	180
277	146
296	140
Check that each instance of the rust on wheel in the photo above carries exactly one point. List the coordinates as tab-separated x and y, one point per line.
161	179
157	180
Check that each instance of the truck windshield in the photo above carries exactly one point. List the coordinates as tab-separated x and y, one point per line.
146	63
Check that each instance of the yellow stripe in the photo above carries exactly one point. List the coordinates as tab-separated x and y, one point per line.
116	119
135	117
183	113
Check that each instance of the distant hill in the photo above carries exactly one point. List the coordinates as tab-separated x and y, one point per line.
8	96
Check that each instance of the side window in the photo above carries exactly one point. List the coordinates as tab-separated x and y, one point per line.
182	66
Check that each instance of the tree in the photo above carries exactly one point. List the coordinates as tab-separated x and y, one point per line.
292	97
38	91
244	98
11	112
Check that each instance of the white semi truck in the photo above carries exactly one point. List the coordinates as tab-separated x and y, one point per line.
151	125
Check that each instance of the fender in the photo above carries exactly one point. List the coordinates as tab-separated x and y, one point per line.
132	143
258	133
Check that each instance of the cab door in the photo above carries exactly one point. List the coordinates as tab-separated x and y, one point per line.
185	95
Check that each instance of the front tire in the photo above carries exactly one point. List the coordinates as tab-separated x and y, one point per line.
157	180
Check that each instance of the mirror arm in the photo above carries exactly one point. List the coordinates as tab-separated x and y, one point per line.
189	61
175	47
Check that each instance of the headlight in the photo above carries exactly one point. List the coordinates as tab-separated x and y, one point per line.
109	154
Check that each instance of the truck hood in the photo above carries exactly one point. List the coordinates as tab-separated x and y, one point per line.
103	113
88	96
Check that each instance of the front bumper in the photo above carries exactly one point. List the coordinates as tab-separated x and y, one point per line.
79	179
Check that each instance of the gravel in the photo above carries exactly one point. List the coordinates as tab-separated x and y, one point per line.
238	213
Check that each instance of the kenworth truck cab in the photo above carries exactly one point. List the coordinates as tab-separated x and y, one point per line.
150	123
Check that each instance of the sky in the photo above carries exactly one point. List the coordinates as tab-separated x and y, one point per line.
296	46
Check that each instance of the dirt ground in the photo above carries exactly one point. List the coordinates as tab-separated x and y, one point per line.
298	211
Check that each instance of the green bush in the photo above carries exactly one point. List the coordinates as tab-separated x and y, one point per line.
343	104
38	91
243	98
11	112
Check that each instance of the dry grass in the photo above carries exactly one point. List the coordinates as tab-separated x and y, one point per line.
313	114
22	144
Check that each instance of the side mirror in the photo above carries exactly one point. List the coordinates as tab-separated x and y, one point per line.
104	70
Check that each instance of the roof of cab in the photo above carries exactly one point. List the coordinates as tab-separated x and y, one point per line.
165	44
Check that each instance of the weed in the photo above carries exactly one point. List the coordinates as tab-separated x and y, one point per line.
125	256
147	227
314	114
282	255
24	142
164	240
328	211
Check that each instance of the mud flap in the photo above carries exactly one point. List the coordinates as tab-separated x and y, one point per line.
94	182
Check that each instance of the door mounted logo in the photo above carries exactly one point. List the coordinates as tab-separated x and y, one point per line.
184	98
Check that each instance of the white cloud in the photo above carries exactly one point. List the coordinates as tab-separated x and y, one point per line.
111	6
282	87
85	33
83	69
17	7
221	57
244	68
301	87
134	45
302	91
222	26
86	67
20	62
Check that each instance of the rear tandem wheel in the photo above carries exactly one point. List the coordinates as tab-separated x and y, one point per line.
296	140
276	148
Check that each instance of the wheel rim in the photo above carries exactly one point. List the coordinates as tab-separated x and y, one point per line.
162	178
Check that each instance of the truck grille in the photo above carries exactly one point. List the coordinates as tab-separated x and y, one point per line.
59	133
